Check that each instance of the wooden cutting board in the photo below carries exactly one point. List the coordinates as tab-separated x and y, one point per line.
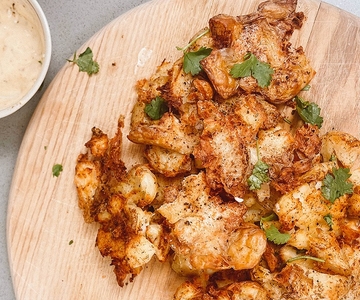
43	216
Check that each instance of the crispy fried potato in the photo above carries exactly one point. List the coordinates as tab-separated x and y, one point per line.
207	234
193	202
167	162
245	290
116	199
266	34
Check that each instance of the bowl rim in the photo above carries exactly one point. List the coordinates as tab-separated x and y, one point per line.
45	64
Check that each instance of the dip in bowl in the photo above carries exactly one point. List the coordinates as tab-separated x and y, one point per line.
25	52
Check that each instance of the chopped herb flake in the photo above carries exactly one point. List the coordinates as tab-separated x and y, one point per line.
309	112
259	175
329	221
56	170
192	60
337	185
85	62
156	108
274	235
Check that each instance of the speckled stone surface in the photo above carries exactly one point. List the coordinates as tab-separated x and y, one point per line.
71	23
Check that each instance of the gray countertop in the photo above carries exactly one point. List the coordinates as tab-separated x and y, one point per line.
71	23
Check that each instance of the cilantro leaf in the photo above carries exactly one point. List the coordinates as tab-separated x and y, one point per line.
329	221
309	112
251	66
336	185
85	62
56	170
262	73
156	108
274	235
259	175
192	60
245	68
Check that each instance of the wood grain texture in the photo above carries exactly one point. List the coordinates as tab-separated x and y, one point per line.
43	216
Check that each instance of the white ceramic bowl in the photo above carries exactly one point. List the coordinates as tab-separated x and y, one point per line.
25	53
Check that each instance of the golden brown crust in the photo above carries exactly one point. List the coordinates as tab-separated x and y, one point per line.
193	202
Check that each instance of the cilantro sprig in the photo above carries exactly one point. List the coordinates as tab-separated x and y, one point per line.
192	59
272	233
259	175
251	66
193	41
85	62
290	260
156	108
337	184
309	112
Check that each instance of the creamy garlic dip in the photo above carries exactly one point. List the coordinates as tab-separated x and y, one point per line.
22	48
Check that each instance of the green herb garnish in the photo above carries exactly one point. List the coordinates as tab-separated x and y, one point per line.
329	221
251	66
309	112
259	175
274	235
56	170
156	108
337	185
192	60
271	217
333	157
201	34
85	62
306	88
305	257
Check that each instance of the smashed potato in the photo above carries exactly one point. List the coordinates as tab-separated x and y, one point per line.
240	193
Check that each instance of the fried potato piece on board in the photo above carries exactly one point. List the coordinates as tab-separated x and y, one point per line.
229	128
346	149
222	151
168	133
208	234
289	156
102	158
299	282
265	34
167	162
244	290
117	200
192	200
178	132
